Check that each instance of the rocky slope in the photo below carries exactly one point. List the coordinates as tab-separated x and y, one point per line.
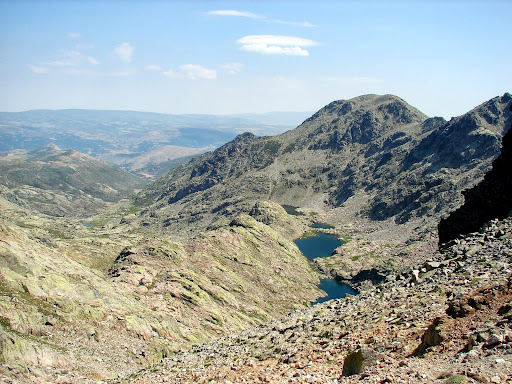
448	321
63	182
86	303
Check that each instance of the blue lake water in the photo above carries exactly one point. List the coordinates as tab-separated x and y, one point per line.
319	245
321	226
291	210
322	245
334	290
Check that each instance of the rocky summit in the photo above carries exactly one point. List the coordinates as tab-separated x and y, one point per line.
196	278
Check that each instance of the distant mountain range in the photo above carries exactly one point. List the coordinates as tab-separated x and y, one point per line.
63	182
133	139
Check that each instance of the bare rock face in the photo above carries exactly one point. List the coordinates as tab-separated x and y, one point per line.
491	199
433	336
358	360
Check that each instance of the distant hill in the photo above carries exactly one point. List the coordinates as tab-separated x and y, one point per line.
126	138
63	182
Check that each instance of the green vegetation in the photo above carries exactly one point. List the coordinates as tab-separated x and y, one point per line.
272	147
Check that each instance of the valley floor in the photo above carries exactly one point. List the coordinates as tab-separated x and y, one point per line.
448	320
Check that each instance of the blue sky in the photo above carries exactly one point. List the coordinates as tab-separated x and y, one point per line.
443	57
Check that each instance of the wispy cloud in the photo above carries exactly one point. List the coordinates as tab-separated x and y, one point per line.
191	72
92	60
153	67
304	24
72	59
67	59
250	15
276	45
74	35
37	69
124	51
233	68
88	72
170	73
232	12
195	71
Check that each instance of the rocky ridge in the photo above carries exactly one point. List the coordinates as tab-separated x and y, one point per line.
372	158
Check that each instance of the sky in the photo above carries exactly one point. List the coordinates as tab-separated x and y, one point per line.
219	57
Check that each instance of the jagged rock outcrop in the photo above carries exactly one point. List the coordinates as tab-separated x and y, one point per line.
490	199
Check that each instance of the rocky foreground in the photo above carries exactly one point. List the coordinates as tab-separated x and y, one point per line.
448	321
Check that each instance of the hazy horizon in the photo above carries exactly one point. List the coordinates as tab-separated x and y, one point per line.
228	58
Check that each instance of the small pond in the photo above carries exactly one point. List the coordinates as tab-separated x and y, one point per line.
322	245
321	226
319	245
291	210
334	290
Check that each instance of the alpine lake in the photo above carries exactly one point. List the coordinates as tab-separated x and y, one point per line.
322	244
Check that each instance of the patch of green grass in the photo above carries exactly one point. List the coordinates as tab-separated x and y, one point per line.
132	210
98	223
345	238
58	234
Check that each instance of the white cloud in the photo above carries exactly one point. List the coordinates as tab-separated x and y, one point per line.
68	59
304	24
195	71
191	72
124	51
170	73
153	67
88	72
233	68
232	12
276	45
74	35
92	60
72	59
37	69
